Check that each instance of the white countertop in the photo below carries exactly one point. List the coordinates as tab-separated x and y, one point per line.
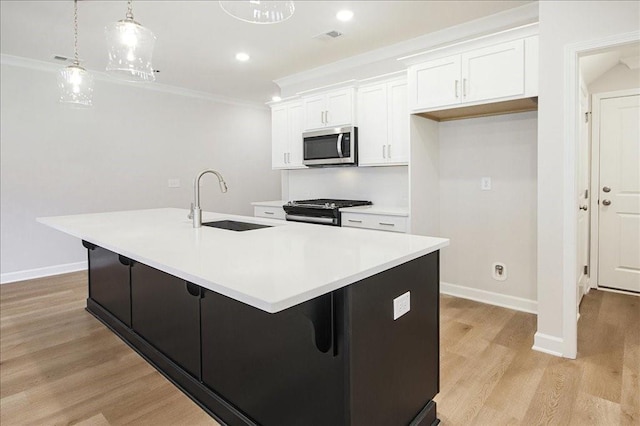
271	268
277	203
389	211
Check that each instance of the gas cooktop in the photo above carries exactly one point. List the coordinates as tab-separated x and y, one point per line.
322	210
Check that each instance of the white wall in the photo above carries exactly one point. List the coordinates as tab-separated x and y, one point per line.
562	23
385	186
619	77
117	156
489	226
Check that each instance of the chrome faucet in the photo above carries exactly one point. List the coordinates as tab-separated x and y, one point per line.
196	212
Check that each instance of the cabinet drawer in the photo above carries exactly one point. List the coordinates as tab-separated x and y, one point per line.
269	212
374	221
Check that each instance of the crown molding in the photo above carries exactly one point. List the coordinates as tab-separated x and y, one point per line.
34	64
500	21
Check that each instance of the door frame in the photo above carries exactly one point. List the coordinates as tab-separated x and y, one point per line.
572	53
595	176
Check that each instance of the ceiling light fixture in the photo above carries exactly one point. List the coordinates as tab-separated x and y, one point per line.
259	11
74	82
242	57
344	15
130	49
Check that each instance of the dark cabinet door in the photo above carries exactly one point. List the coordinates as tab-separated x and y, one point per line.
280	369
166	313
109	283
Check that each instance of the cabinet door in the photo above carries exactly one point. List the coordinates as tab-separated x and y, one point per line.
279	137
398	141
493	72
109	282
165	311
435	83
314	112
295	118
372	125
339	106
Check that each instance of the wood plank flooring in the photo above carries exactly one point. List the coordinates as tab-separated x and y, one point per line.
59	365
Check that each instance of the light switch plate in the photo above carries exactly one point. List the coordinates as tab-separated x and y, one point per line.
174	183
485	184
401	305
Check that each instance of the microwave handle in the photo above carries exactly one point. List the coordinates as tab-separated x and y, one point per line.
339	145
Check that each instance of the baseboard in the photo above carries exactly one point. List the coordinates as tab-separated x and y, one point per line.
548	344
491	298
30	274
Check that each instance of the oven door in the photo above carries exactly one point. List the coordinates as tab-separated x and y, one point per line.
330	147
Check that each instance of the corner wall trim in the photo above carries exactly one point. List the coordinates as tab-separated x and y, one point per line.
491	298
48	271
548	344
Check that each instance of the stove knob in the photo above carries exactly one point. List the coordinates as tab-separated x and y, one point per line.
333	205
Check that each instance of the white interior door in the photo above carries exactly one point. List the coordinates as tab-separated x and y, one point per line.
583	198
619	193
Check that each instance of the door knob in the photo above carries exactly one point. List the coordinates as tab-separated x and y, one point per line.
606	189
584	208
606	202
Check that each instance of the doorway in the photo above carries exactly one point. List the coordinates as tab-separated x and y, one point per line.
616	190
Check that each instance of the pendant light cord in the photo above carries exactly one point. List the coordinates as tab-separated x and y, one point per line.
129	15
75	32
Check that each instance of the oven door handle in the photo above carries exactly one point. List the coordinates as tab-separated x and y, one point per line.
339	145
312	219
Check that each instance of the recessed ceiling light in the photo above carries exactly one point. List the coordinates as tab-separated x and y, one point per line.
242	57
276	99
344	15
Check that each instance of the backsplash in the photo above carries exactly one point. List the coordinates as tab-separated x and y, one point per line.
384	186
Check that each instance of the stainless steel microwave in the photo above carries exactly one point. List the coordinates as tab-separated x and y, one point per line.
331	147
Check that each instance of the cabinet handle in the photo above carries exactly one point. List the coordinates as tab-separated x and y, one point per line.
284	157
456	88
269	213
88	245
288	158
125	260
387	224
322	117
464	87
326	117
389	151
354	221
384	152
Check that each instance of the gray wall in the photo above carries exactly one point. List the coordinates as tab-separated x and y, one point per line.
117	156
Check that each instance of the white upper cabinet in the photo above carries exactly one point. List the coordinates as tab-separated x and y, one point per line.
435	83
383	124
503	71
493	72
329	109
286	135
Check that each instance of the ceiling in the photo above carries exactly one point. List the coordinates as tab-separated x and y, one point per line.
197	41
596	64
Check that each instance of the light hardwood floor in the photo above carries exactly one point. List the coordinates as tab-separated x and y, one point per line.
59	365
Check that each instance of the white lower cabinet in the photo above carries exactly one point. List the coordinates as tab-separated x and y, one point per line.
375	221
269	212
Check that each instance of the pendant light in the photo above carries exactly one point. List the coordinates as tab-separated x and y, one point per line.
259	11
130	49
75	83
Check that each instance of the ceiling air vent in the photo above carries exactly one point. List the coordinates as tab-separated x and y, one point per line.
60	58
328	35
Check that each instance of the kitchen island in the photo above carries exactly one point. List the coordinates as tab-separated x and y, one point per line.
288	324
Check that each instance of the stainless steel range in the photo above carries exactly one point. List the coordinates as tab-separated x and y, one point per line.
322	211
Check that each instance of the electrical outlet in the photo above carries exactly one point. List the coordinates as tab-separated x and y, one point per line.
401	305
174	183
499	271
485	184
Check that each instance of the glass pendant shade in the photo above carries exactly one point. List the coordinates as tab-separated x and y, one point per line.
259	11
76	86
130	49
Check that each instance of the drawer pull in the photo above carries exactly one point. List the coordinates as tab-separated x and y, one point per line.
354	221
387	224
269	213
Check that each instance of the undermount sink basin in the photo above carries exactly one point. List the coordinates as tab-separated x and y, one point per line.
233	225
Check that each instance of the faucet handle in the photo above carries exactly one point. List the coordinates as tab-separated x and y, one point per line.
190	216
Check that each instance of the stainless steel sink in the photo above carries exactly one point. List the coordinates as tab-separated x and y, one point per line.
233	225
